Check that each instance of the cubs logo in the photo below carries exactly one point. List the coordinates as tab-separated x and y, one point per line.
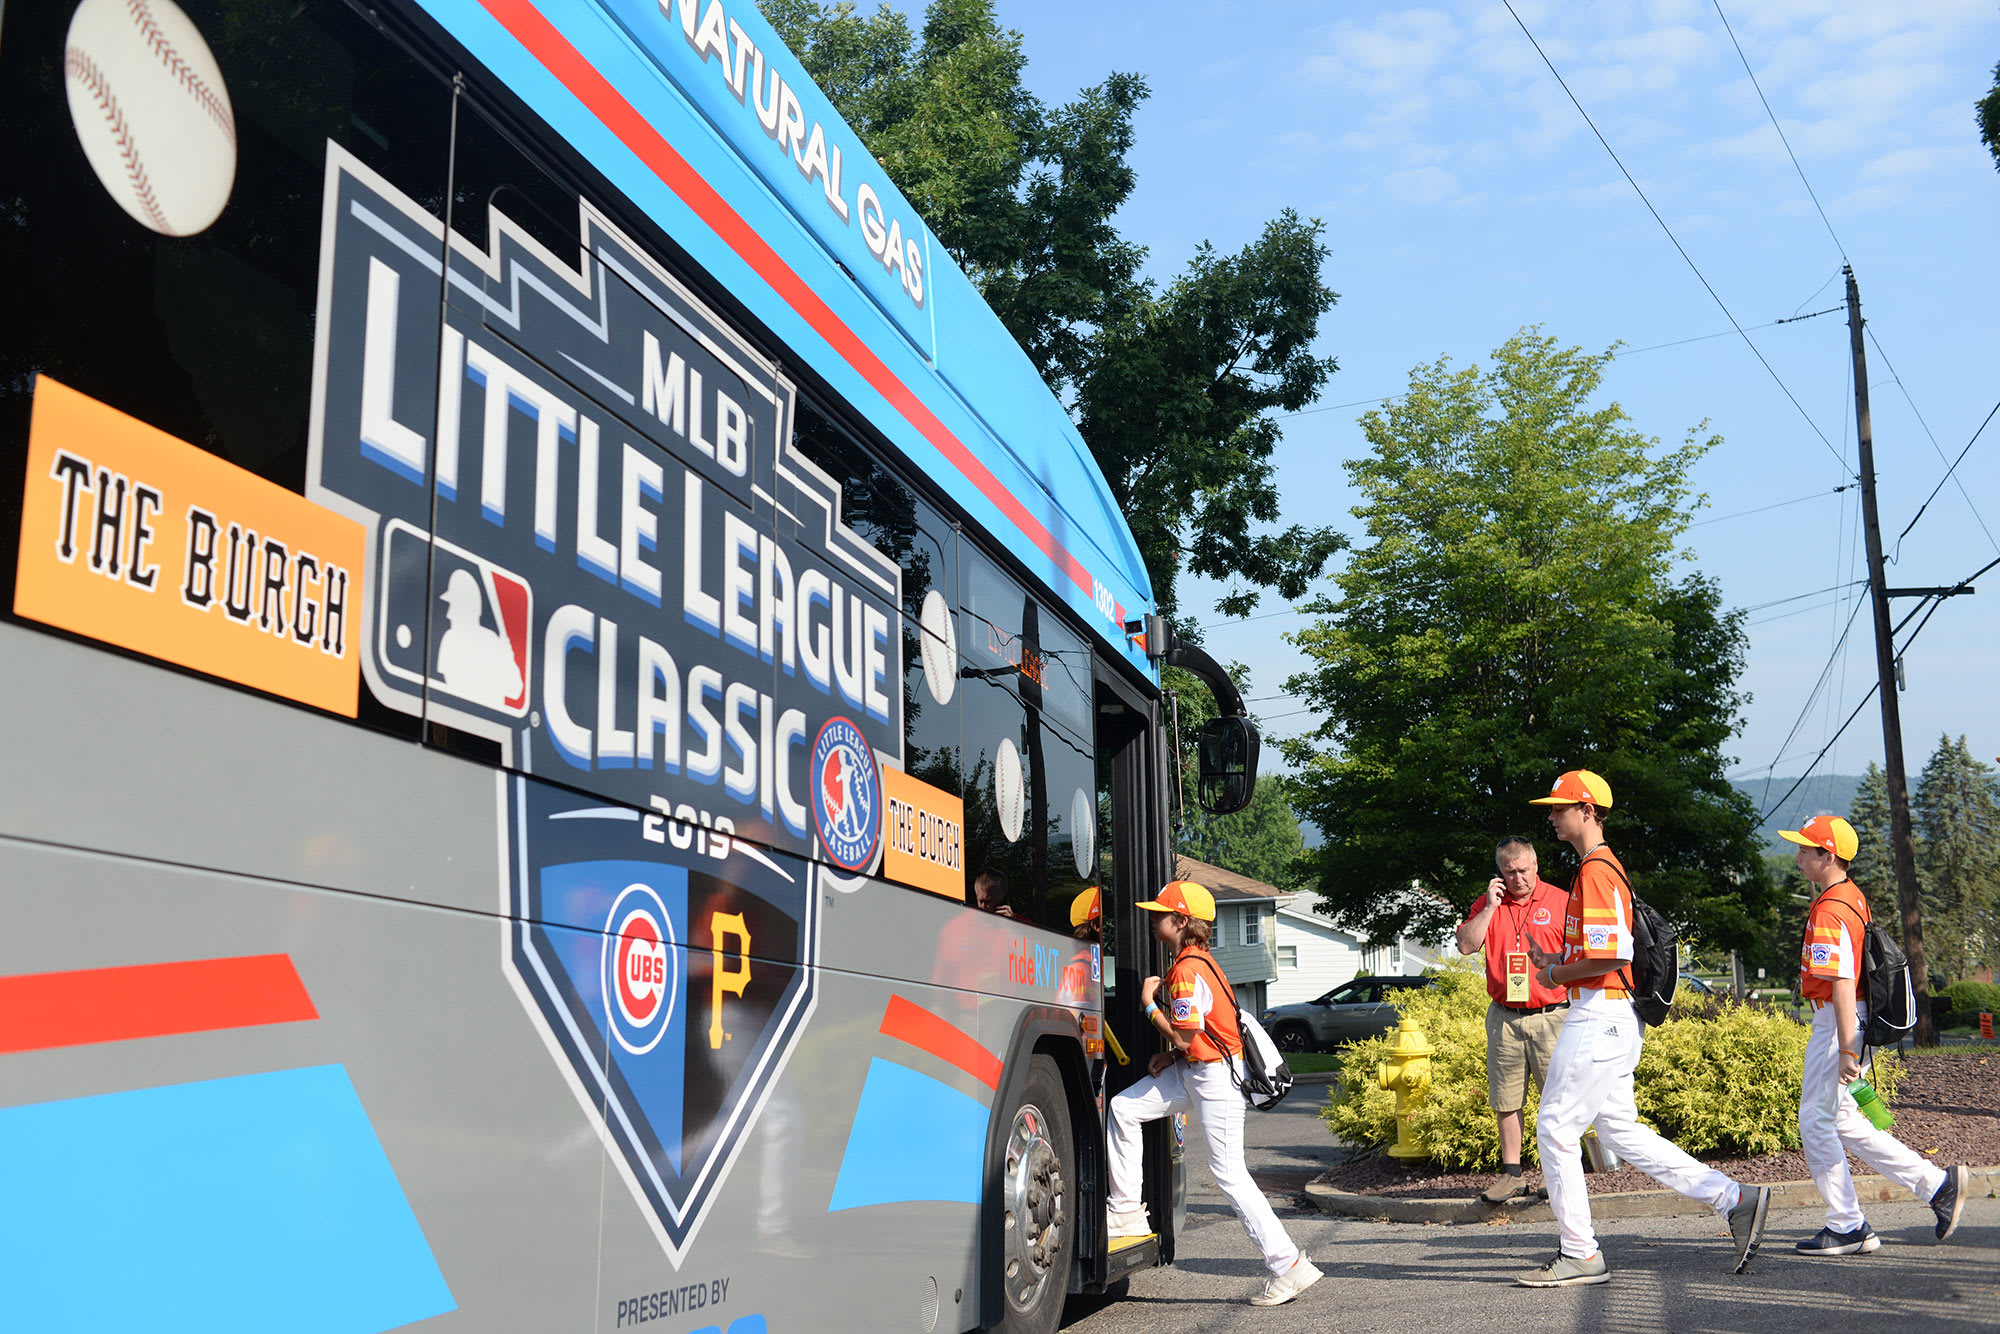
641	969
847	791
632	952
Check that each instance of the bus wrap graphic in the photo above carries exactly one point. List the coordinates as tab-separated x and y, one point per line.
589	538
672	984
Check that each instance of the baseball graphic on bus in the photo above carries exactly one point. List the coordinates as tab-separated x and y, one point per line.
1082	831
1010	791
151	111
940	648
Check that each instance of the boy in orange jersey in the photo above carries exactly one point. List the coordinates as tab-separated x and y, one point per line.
1831	1126
1197	1073
1590	1073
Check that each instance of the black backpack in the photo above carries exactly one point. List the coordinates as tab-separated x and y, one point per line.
1655	973
1884	986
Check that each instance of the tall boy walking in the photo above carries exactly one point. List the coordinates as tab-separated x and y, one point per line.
1590	1074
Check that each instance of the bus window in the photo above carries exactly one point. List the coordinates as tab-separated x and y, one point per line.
207	336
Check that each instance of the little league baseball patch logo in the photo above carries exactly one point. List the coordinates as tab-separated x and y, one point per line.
848	795
1821	956
1597	937
1183	1010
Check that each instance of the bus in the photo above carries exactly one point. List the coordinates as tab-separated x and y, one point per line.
570	691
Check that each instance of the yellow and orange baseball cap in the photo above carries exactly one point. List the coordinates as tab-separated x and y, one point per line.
1574	787
1829	832
1086	907
1184	896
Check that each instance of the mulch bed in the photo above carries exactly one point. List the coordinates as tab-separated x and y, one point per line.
1948	1108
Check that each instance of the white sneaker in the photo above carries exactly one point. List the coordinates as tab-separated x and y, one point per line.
1128	1222
1283	1287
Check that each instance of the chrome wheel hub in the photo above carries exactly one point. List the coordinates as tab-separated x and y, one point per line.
1037	1204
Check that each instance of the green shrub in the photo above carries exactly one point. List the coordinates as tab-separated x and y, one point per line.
1968	999
1454	1122
1718	1078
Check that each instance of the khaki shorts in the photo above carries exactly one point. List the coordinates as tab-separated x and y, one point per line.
1515	1045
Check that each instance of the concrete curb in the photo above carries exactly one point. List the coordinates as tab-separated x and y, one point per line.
1622	1204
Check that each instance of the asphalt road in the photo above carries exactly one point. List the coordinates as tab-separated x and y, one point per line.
1669	1275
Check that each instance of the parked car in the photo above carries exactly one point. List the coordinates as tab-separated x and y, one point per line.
1692	985
1353	1010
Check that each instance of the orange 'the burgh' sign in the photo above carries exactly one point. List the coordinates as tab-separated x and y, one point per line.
923	835
138	539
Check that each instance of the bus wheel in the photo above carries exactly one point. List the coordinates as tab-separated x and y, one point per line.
1038	1203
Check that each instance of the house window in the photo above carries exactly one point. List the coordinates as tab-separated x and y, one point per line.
1253	927
1288	956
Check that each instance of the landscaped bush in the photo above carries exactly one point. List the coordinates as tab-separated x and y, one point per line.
1721	1079
1968	999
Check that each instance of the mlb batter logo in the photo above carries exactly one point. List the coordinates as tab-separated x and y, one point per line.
641	969
469	638
848	805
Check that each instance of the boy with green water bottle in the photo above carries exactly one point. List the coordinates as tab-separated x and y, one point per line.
1831	1123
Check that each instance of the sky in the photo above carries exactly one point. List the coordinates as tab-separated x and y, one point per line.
1464	197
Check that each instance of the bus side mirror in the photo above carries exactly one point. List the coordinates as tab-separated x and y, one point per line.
1226	757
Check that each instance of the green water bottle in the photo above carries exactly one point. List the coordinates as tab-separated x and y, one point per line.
1871	1104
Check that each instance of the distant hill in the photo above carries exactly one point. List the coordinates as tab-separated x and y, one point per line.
1822	794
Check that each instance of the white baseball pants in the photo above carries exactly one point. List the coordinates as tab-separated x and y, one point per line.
1831	1127
1590	1082
1204	1088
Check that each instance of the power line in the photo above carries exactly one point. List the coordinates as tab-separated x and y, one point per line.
1947	477
1796	500
1934	603
1615	355
1716	296
1779	128
1897	380
1779	602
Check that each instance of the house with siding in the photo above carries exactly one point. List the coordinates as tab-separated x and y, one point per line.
1245	943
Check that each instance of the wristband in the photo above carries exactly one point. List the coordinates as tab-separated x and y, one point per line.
1855	1054
1152	1008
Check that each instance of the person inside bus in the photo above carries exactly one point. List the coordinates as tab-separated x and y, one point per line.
1198	1073
989	893
1086	916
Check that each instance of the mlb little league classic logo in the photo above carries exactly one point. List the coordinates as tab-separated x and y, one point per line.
848	795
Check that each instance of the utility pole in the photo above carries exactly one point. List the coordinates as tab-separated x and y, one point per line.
1902	844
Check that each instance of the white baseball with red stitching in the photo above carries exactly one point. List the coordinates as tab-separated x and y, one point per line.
151	111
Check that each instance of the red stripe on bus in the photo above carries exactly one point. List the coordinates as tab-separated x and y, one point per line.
911	1023
542	40
41	1010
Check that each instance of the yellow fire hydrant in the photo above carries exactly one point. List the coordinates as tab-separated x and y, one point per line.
1408	1075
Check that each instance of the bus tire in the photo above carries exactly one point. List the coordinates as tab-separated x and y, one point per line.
1038	1206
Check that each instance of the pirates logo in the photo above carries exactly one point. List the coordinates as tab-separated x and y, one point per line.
848	788
671	976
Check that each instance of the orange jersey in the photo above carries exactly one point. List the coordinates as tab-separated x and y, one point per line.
1598	924
1194	1004
1835	925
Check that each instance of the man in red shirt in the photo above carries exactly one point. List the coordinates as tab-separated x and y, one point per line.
1519	908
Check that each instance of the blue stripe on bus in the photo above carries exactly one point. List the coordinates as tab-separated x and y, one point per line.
914	1138
253	1203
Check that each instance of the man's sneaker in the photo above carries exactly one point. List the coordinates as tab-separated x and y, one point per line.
1858	1242
1503	1190
1281	1288
1949	1201
1566	1271
1746	1224
1128	1223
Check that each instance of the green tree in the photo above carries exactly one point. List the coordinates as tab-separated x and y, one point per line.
1513	615
1262	841
1172	387
1959	813
1987	111
1874	870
